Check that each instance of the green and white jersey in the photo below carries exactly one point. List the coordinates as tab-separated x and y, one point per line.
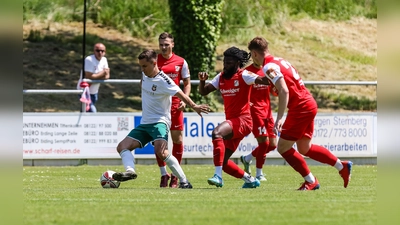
156	98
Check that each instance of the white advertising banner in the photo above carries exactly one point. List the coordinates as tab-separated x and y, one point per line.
96	135
74	135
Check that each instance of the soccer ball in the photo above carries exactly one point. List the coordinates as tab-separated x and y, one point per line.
107	181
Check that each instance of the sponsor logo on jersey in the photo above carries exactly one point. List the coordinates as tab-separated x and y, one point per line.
260	86
229	91
173	76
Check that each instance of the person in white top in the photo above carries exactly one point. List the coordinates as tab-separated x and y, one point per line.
157	89
96	68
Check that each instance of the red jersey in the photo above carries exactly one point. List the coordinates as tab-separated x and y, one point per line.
175	67
299	96
235	93
259	96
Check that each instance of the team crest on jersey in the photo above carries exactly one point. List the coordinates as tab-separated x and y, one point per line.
177	68
236	83
154	88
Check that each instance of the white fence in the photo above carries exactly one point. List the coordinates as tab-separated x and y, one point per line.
196	82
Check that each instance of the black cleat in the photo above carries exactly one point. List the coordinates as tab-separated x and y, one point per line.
185	185
124	176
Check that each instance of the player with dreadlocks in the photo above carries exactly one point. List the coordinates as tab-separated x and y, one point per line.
234	83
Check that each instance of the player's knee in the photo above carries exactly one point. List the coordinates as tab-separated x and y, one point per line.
216	134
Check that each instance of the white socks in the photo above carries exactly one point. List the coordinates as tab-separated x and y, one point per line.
127	160
176	169
248	157
163	170
247	178
258	172
338	165
310	178
218	171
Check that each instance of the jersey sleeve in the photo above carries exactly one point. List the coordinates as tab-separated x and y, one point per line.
185	72
169	86
215	82
249	77
272	71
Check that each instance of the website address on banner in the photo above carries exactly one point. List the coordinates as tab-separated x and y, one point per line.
51	151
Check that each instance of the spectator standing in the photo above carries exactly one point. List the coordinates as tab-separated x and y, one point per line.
96	68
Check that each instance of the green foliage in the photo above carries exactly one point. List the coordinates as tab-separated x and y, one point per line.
341	101
142	18
196	29
146	19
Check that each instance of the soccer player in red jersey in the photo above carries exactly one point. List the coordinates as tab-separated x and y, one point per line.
177	69
263	124
234	84
299	124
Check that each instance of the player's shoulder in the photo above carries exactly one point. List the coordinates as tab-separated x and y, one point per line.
247	72
164	78
177	58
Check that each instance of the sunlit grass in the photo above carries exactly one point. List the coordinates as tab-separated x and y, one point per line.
73	195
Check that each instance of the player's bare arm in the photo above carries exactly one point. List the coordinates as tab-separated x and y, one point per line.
205	89
262	80
203	108
107	73
186	89
283	96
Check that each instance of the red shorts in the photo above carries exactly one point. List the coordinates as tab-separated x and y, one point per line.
241	127
263	127
298	124
176	117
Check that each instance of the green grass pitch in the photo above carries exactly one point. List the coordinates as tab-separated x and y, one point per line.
73	196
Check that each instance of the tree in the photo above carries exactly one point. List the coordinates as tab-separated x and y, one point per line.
196	26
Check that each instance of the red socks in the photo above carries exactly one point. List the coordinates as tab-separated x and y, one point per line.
177	151
261	154
160	162
321	154
296	160
233	169
218	151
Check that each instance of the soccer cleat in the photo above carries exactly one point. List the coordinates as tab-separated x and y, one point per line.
174	181
254	184
306	186
246	164
124	176
186	185
261	178
345	173
164	180
216	180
